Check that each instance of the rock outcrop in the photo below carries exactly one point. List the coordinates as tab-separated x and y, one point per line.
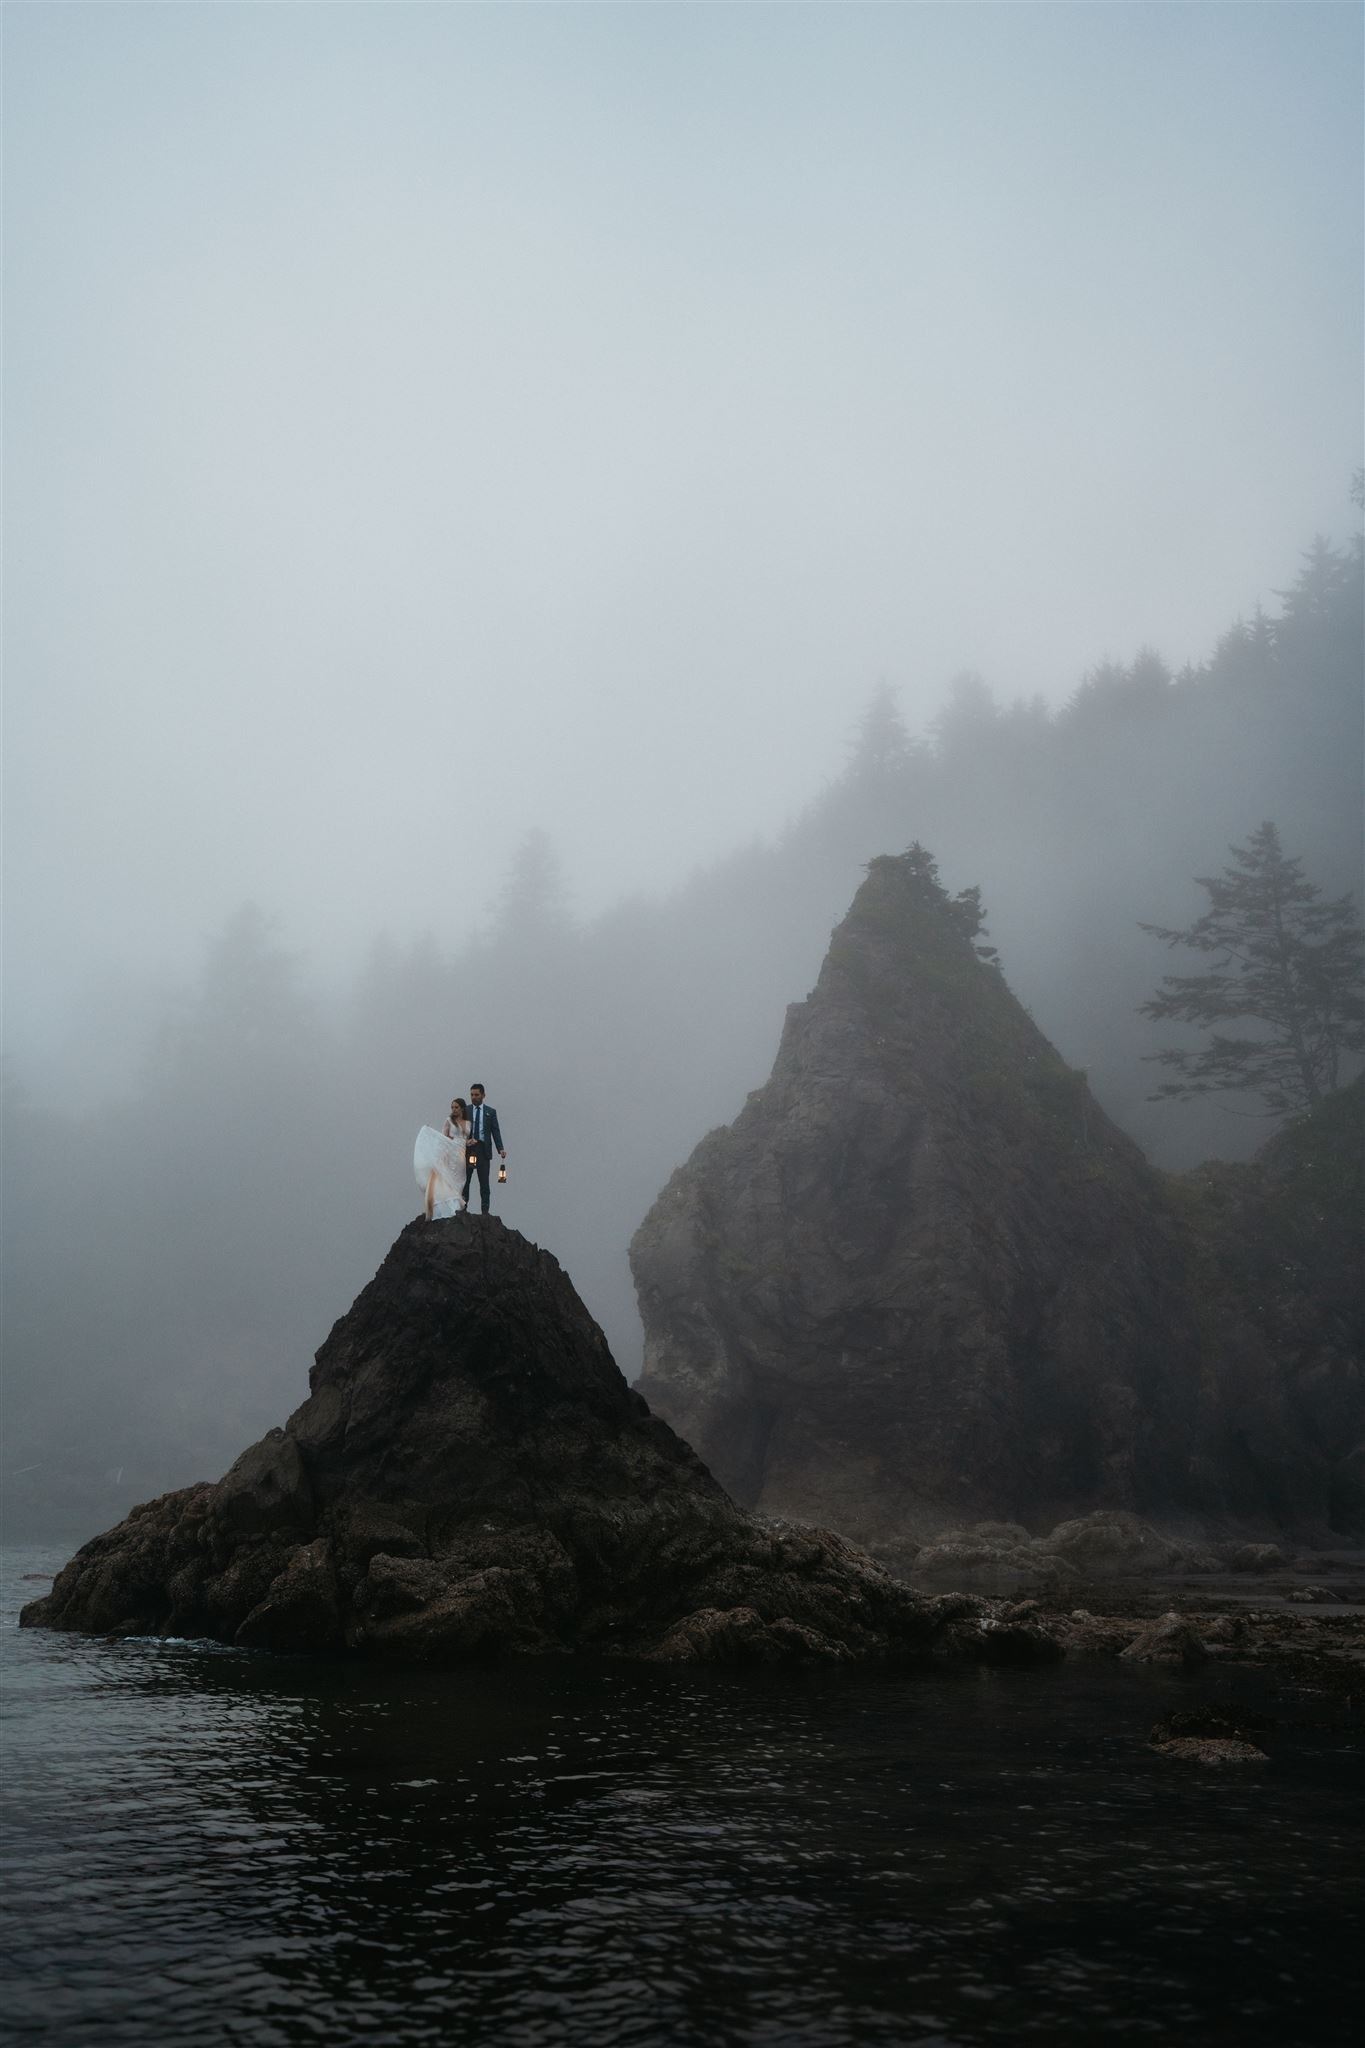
471	1474
922	1280
1096	1548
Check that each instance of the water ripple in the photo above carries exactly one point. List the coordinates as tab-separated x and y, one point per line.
204	1846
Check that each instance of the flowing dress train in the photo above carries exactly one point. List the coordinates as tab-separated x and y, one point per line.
444	1157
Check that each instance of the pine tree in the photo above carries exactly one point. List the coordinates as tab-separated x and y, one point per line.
1327	576
1287	963
882	747
1113	696
965	912
533	904
970	717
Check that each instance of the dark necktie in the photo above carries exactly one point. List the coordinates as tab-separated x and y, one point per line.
478	1123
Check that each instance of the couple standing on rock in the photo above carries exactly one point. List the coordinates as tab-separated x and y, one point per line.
463	1146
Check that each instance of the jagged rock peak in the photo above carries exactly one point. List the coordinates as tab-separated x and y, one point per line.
922	1278
471	1474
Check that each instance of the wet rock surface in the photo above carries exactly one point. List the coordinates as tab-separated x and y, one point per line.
1196	1627
1171	1640
1203	1605
1212	1749
472	1475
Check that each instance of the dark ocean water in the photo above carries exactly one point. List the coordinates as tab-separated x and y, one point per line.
205	1845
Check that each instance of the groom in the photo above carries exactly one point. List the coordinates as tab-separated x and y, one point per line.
484	1134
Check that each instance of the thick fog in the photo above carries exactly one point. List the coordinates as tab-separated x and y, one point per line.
508	508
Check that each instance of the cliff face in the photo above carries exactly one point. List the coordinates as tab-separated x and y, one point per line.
472	1474
923	1278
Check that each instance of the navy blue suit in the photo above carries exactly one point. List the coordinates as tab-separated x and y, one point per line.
479	1150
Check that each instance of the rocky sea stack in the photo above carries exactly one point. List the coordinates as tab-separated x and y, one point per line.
471	1474
923	1279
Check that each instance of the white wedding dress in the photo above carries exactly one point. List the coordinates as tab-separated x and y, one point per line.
444	1157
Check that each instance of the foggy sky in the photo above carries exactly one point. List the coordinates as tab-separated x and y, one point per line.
425	423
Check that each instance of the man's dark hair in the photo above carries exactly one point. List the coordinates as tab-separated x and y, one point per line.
476	1084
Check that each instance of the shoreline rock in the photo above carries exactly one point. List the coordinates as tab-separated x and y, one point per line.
471	1475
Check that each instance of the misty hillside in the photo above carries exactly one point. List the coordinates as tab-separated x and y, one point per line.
173	1258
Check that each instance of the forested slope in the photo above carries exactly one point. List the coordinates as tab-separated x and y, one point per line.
173	1258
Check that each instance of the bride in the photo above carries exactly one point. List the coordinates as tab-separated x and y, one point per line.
438	1160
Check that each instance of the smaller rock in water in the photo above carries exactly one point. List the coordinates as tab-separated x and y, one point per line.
1226	1629
1172	1640
1008	1641
739	1635
1111	1542
1255	1557
1094	1635
1211	1749
1220	1721
980	1557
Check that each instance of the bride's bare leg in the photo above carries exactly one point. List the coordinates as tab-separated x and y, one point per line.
431	1193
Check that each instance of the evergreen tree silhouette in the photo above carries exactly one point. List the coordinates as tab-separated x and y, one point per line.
1287	962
